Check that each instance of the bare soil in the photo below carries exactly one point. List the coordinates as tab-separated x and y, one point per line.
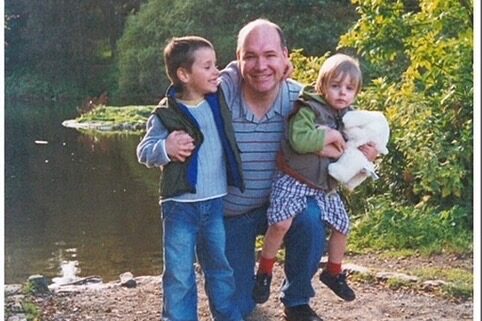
375	300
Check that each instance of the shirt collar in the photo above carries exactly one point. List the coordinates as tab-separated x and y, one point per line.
276	109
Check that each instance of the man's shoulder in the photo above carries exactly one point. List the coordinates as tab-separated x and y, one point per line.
294	83
294	88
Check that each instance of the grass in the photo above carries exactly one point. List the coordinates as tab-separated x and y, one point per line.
389	226
118	115
31	310
460	282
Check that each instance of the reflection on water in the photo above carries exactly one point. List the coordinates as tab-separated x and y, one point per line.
75	198
69	267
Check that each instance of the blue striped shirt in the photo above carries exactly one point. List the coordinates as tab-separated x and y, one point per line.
258	140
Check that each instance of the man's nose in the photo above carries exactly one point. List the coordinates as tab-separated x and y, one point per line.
260	63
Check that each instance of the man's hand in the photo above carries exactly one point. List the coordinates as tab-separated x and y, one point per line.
288	72
179	145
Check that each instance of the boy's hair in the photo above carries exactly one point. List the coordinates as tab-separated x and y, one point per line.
179	52
336	65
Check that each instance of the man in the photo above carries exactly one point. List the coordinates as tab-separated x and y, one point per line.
260	99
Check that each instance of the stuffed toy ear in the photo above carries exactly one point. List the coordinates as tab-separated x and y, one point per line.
384	150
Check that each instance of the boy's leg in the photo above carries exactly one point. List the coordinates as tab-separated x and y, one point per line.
332	275
219	279
180	224
241	233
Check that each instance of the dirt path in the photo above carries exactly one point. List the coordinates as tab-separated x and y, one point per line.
375	301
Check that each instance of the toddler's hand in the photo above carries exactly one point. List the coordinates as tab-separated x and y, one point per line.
369	150
332	151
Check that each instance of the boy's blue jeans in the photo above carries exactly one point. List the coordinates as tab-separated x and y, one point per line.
304	246
189	229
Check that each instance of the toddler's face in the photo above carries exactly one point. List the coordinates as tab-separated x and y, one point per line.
340	92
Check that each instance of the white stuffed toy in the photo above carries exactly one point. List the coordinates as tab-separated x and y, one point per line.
361	127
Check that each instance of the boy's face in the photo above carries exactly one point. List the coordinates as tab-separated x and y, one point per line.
202	79
340	92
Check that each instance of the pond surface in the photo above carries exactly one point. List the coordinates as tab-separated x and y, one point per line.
75	204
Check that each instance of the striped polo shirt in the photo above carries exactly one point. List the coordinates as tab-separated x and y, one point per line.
258	140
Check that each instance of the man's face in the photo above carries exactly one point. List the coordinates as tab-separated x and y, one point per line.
262	60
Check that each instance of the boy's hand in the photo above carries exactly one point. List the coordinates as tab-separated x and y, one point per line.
369	150
332	151
179	145
334	137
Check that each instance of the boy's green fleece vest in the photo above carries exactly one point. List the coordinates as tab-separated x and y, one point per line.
174	178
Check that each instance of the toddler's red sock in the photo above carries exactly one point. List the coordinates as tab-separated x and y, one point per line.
266	265
333	268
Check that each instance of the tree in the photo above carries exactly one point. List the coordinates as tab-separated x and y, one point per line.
63	43
420	59
313	25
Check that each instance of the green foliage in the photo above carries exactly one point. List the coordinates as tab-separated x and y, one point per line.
32	311
131	114
306	68
420	58
29	85
458	290
395	283
460	282
389	225
313	25
67	44
455	275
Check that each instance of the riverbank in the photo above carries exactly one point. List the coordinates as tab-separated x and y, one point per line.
108	119
387	289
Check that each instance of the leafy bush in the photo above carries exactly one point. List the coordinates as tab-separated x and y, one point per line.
427	97
417	63
31	85
388	225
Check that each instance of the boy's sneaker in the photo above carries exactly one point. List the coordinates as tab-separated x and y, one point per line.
261	287
338	285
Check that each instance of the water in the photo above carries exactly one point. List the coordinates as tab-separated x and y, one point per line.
75	204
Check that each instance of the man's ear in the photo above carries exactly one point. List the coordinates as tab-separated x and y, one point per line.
183	74
285	52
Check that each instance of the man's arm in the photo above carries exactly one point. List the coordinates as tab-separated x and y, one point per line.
230	82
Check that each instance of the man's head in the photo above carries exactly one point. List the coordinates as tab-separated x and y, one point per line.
262	56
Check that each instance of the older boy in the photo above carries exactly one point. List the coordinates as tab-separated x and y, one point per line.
192	186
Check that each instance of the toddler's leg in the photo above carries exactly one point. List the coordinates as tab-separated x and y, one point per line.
272	243
333	275
274	238
336	251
